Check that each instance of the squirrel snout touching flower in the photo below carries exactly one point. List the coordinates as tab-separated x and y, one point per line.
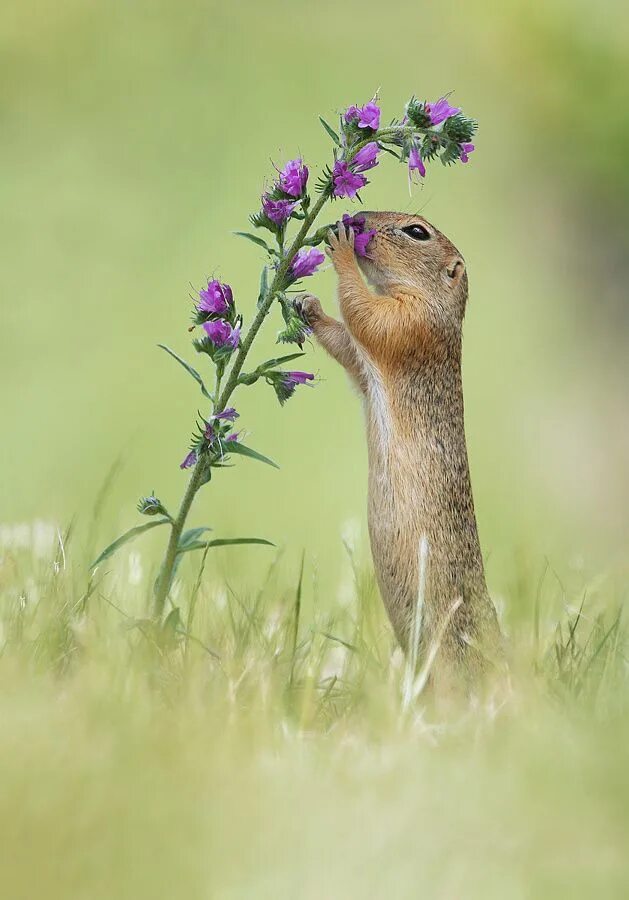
400	341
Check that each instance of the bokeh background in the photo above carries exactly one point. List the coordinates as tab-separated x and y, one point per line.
137	137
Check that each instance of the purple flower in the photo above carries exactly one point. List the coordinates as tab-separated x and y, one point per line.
216	298
361	236
278	211
209	434
229	414
346	182
190	460
233	436
296	378
466	149
294	177
366	158
286	383
367	116
441	110
221	333
416	163
305	262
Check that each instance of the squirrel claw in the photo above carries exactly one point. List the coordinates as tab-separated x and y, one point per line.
345	235
308	307
340	245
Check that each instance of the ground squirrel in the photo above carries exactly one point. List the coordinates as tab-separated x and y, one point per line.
401	344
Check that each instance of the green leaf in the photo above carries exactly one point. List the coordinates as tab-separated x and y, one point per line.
237	447
389	150
264	285
190	536
189	370
273	363
255	240
171	629
224	542
206	477
330	131
124	538
172	620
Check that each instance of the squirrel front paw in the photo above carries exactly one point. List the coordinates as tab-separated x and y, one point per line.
340	247
309	308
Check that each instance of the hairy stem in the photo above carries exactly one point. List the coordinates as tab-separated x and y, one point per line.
166	571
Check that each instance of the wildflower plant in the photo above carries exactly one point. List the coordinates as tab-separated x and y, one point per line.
286	218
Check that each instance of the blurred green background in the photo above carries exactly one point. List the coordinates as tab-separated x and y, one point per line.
136	137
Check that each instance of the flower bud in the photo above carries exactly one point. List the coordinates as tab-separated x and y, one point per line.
151	506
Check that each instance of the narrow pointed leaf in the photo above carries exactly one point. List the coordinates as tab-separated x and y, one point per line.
264	284
188	369
172	621
389	150
255	240
237	447
224	542
190	536
330	131
273	363
125	538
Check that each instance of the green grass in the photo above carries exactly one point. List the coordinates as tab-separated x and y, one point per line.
258	747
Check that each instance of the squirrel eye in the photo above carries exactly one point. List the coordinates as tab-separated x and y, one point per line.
417	232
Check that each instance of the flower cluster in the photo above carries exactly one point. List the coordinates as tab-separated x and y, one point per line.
427	130
284	383
348	178
212	434
446	131
216	313
281	201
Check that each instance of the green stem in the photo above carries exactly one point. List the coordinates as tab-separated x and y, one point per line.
196	479
166	571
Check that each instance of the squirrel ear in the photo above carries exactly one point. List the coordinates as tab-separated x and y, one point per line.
453	271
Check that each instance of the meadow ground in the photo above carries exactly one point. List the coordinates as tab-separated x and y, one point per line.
258	747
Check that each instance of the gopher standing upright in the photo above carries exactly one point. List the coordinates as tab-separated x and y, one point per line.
401	344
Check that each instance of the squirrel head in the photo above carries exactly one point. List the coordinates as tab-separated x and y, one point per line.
408	256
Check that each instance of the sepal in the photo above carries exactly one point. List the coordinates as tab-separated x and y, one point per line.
459	128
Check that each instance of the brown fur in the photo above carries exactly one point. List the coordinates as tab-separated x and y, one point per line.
401	344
